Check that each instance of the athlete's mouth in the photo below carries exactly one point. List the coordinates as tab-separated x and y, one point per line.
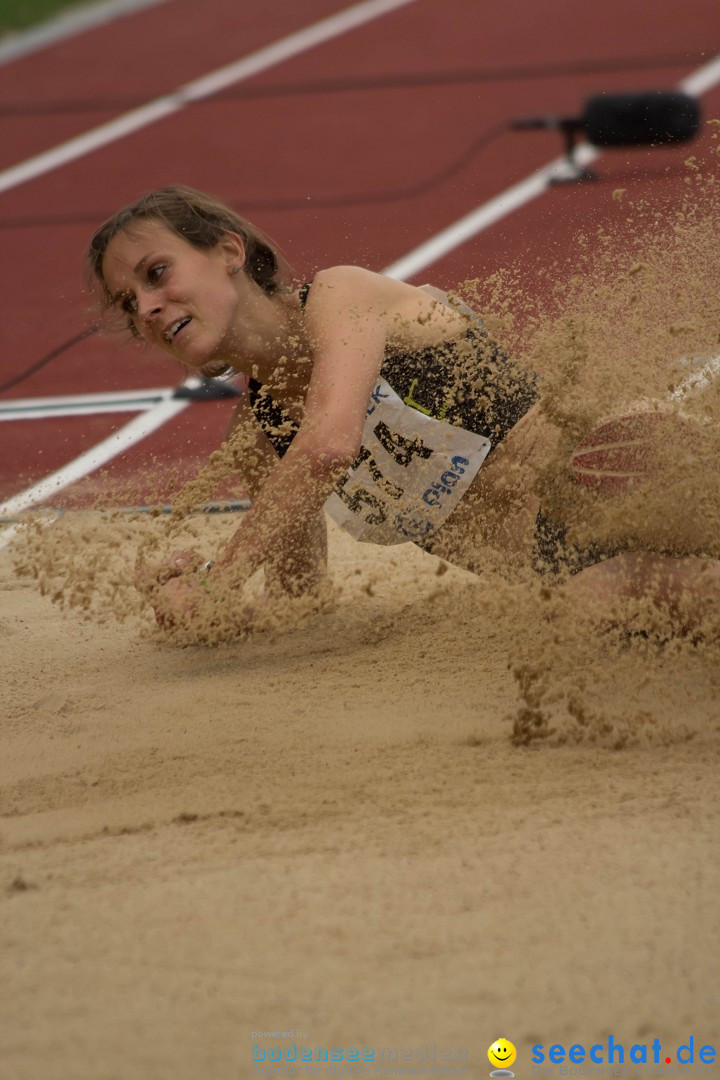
172	331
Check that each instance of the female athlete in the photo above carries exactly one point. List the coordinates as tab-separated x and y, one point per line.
382	404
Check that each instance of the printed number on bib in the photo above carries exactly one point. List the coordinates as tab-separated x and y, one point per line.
360	498
402	449
410	473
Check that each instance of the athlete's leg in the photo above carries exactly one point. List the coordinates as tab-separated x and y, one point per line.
684	590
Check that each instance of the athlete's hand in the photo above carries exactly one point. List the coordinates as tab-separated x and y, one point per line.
202	614
148	576
177	602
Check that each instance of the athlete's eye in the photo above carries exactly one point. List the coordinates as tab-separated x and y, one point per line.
128	304
155	273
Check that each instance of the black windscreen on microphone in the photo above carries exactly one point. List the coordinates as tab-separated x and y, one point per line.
642	119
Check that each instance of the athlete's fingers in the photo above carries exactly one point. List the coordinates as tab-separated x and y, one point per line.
149	575
176	602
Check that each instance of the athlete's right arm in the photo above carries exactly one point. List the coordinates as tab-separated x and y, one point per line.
302	568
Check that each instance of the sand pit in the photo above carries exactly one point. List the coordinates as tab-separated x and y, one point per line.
333	832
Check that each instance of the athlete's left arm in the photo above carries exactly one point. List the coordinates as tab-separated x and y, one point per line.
347	319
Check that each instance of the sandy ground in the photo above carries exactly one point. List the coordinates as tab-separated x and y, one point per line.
333	832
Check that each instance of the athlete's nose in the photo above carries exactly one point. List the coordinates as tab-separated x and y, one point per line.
148	308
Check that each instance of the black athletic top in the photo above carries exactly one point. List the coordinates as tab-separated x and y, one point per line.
467	381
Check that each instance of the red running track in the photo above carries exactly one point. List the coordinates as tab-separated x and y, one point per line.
343	153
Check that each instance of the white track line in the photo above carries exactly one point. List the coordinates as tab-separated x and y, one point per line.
16	45
47	408
102	397
696	380
703	79
8	535
484	216
457	234
279	51
93	459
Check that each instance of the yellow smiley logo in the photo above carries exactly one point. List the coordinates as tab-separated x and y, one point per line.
502	1054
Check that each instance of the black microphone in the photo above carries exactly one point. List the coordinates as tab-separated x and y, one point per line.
649	118
652	118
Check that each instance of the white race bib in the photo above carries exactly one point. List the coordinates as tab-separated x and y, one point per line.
409	476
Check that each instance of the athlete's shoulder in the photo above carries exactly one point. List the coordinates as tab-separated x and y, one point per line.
354	280
343	273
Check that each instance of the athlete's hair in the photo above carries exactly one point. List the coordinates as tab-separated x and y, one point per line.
202	220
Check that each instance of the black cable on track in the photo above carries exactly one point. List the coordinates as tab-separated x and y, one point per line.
57	351
390	81
298	202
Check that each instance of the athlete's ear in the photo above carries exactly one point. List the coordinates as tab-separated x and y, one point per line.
232	246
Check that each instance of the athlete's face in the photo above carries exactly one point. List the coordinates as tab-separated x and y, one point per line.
178	297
